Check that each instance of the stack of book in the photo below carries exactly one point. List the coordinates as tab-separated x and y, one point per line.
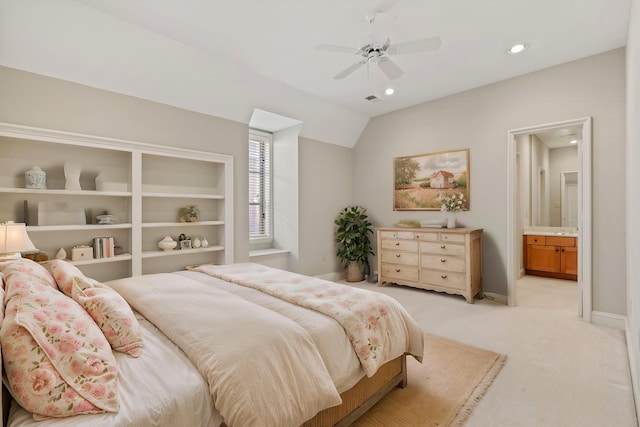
103	247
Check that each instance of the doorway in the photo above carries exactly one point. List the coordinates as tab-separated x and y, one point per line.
583	211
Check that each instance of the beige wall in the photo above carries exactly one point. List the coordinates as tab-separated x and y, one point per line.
324	170
480	119
633	194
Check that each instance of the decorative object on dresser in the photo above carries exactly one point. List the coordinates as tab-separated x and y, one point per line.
443	260
72	176
354	245
551	256
450	203
61	254
35	178
419	179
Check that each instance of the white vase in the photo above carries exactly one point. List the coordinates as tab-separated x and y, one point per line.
196	243
36	178
61	254
205	243
167	243
451	220
72	176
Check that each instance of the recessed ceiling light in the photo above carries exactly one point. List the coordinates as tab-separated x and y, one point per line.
517	48
389	91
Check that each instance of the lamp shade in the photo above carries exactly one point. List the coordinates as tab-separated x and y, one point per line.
14	238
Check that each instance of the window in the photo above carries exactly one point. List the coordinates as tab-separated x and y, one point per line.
260	203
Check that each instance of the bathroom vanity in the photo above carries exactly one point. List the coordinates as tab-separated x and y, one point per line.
551	253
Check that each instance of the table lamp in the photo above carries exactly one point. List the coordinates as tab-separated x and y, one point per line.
14	239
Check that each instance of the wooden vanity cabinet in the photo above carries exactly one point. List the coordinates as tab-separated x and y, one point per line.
551	256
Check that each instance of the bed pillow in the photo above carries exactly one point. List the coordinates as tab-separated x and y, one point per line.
112	314
28	267
108	308
57	361
63	273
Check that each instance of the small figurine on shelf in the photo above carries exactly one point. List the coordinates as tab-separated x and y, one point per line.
167	243
189	213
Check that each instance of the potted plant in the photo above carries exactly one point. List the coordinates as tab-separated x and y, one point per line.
190	213
352	236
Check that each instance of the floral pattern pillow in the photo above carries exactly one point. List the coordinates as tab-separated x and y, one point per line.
63	273
112	314
107	307
28	267
57	361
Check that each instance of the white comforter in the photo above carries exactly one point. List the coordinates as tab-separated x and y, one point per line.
263	369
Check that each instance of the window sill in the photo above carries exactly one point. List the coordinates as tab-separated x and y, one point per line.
267	252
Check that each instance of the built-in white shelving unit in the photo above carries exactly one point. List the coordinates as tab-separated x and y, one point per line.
159	181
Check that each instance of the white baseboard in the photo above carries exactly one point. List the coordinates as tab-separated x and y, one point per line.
607	319
632	365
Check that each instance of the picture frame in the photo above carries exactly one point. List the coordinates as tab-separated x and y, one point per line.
185	244
419	179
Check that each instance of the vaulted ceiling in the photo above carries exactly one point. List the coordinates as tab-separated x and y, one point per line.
226	58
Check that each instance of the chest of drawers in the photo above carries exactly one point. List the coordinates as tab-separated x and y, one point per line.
444	260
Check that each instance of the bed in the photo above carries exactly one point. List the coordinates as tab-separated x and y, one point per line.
235	345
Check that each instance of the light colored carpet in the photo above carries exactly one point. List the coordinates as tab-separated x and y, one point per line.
561	371
442	391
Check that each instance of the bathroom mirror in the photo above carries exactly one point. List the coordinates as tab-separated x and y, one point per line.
548	177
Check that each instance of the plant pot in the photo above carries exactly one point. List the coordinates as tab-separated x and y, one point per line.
354	272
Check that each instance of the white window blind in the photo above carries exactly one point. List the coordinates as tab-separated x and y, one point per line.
260	225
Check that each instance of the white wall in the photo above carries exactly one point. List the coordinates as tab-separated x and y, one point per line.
560	160
480	119
633	194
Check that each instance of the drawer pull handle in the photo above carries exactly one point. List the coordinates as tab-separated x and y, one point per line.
444	276
442	246
443	260
397	243
397	255
397	270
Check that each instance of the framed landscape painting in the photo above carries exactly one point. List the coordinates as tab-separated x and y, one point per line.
420	181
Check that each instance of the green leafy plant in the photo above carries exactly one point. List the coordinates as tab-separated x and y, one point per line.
190	213
352	236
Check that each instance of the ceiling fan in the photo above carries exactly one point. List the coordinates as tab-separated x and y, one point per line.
378	53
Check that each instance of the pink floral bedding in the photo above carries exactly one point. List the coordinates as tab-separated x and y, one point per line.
373	321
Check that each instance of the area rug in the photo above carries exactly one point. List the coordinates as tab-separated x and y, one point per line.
442	391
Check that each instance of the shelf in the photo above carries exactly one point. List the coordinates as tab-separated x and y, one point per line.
37	228
65	192
117	258
184	195
179	224
153	254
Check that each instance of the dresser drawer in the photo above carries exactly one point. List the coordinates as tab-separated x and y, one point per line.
400	245
444	263
399	272
395	257
397	235
452	238
444	278
427	237
442	248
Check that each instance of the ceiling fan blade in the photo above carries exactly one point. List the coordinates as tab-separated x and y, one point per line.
389	68
334	48
344	73
422	45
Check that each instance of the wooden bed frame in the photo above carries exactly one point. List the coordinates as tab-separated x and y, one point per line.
361	397
355	401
